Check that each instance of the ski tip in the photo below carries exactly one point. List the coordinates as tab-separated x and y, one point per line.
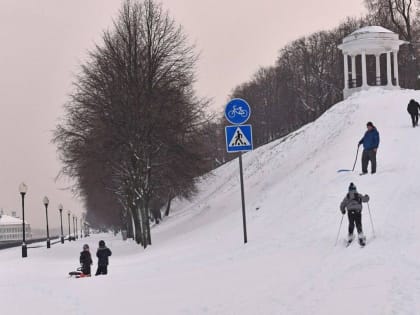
343	170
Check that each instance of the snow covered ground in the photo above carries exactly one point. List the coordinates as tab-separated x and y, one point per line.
198	263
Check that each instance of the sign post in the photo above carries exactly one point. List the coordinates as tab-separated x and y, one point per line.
239	139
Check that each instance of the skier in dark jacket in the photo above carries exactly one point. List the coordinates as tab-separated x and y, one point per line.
370	143
353	203
85	260
102	253
413	109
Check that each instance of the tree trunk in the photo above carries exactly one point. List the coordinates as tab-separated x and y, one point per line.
168	205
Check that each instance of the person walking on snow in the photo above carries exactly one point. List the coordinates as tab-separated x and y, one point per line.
370	143
413	109
85	260
102	253
352	202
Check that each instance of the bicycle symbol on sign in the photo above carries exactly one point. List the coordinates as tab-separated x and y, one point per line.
237	110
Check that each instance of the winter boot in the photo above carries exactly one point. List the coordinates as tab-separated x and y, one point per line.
350	239
362	239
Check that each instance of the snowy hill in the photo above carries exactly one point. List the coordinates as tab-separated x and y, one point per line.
198	263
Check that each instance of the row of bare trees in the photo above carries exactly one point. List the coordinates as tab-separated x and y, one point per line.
132	132
307	77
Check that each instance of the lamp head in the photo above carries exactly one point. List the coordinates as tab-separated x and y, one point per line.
46	201
23	188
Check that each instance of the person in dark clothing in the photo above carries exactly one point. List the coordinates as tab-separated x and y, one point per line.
85	260
413	109
102	253
370	143
353	203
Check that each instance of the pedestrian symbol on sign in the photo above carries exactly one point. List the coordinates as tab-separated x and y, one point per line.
239	139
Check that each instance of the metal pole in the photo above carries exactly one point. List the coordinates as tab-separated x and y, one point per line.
242	197
357	153
74	230
61	224
77	231
48	230
339	229
69	225
371	221
81	228
24	248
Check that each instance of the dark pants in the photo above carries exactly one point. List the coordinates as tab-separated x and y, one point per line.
86	269
415	119
102	270
355	217
368	155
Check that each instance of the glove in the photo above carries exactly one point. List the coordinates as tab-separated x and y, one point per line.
343	211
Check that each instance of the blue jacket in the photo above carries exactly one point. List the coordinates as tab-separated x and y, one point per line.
370	140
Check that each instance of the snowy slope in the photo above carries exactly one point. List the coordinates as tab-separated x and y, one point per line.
199	265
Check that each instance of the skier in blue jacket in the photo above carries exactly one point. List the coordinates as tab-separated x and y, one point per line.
370	143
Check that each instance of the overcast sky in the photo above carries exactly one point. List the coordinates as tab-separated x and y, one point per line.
43	42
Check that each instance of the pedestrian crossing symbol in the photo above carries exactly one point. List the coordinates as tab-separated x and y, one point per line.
238	138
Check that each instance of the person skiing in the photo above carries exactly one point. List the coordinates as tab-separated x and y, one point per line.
353	203
102	253
85	261
370	143
413	109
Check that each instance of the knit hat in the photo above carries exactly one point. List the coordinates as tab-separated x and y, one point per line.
369	124
101	243
86	246
352	187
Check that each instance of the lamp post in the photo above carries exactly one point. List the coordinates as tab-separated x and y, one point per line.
46	202
81	228
77	231
74	229
23	189
68	213
60	208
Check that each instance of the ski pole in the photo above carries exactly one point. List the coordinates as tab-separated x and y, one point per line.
338	234
357	153
371	221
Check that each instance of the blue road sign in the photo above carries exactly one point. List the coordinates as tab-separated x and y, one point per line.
237	111
238	138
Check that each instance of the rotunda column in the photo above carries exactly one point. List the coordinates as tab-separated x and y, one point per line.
378	69
395	53
364	71
388	68
353	71
346	72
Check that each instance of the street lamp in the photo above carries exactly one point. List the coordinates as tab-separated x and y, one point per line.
74	229
68	213
77	231
46	202
81	228
60	208
23	189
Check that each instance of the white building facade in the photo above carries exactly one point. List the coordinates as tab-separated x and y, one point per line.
11	229
370	40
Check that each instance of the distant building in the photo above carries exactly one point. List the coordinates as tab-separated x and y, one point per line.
11	228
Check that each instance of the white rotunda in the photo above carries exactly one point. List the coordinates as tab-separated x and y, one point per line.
370	40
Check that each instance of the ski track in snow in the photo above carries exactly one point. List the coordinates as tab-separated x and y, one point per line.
198	263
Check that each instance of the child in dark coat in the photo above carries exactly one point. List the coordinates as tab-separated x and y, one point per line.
102	253
85	260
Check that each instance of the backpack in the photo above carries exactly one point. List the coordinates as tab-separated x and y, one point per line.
357	197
